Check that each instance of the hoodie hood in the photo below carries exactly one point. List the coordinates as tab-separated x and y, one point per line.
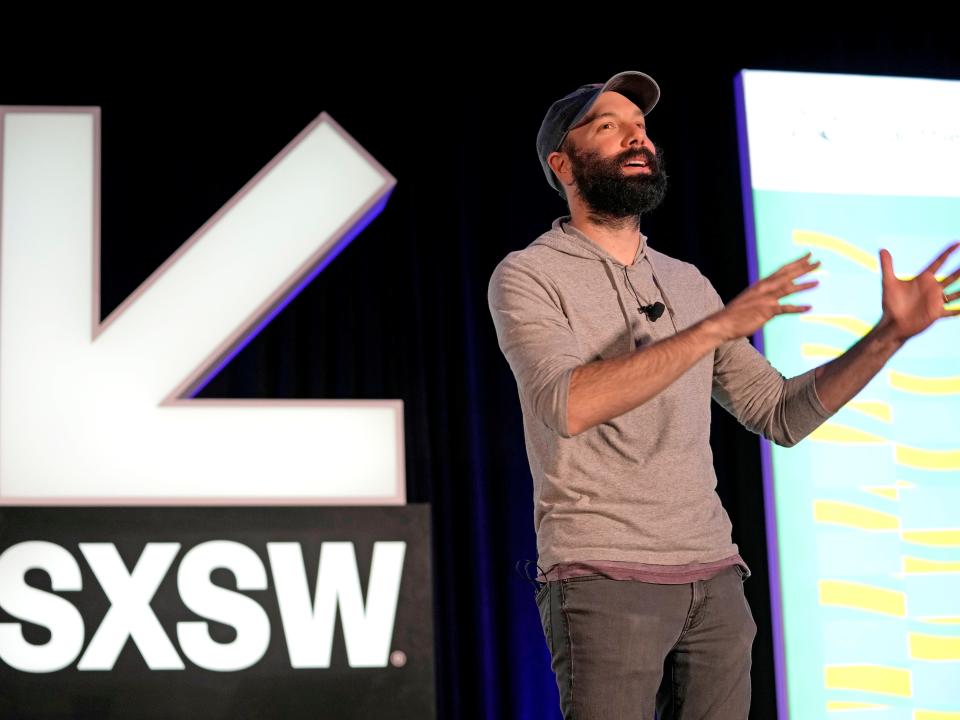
565	238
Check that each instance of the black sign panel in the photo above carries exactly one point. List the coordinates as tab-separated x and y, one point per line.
216	612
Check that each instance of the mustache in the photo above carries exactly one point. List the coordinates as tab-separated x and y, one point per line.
641	154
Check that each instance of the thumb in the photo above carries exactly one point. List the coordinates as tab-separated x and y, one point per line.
886	264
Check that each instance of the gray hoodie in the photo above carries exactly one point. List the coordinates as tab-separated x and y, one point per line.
639	488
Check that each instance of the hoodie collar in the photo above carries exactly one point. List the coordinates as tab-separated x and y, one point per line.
565	238
562	225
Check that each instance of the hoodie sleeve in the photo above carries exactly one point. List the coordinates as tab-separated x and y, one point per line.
536	338
756	394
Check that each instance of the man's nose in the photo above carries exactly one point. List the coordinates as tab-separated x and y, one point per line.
639	137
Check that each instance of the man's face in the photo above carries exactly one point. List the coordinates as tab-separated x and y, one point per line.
599	150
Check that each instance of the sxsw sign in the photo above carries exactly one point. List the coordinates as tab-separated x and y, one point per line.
311	611
151	540
307	623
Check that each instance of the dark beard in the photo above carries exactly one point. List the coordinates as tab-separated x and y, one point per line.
610	194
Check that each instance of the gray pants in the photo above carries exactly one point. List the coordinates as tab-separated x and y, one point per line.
622	648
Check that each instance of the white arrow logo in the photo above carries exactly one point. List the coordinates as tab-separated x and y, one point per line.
95	412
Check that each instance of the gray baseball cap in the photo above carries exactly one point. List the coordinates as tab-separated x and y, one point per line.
565	113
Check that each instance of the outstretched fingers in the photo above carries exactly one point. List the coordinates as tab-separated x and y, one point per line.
951	278
782	281
793	309
794	268
941	258
797	287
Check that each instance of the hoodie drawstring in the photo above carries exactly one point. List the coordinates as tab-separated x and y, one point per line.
627	316
666	300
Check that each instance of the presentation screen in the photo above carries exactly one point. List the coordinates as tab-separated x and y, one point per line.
863	516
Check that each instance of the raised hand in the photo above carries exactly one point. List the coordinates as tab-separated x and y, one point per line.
749	310
911	306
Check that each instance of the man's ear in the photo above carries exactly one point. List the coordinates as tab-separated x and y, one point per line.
559	162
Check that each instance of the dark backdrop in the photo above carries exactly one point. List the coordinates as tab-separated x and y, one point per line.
402	312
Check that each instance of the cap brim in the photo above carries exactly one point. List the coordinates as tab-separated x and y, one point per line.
639	87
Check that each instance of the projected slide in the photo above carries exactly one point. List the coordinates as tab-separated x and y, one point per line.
863	515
